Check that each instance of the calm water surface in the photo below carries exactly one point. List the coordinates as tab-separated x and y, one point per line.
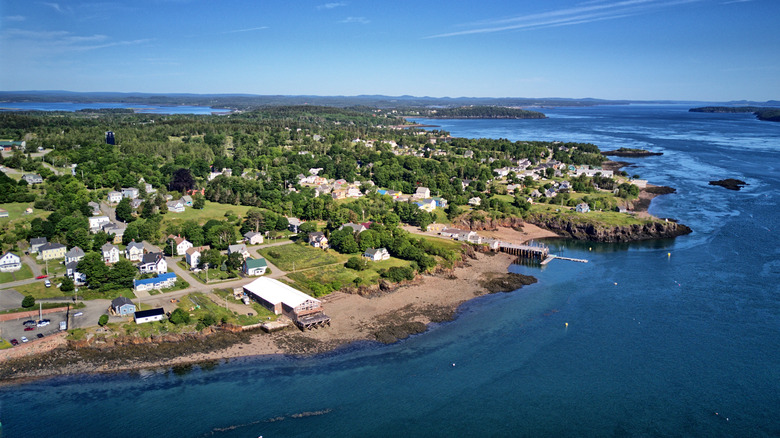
660	337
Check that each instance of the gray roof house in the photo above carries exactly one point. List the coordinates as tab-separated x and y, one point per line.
75	254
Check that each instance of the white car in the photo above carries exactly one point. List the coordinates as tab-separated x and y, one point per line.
78	314
24	339
43	323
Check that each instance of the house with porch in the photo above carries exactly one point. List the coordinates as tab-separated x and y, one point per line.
74	255
130	192
192	255
153	262
51	251
96	223
180	244
318	240
175	206
114	197
376	254
110	253
10	262
71	270
134	251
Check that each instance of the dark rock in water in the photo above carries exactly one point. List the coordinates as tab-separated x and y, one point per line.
507	282
627	152
729	183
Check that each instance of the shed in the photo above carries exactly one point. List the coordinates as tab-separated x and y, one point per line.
150	315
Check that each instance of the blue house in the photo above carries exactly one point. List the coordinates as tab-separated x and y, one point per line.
123	306
159	282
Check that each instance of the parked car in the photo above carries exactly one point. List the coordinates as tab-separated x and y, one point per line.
39	335
24	339
29	328
47	283
29	322
63	325
78	314
14	342
43	323
41	276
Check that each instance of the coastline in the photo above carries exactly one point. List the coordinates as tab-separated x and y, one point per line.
386	317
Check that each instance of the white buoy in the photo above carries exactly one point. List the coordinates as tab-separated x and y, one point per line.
567	324
453	364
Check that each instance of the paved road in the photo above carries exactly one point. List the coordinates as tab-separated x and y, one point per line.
108	211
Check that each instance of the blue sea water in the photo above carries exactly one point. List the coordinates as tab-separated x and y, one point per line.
661	335
75	106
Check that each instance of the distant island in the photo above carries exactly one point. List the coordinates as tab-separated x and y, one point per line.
475	112
630	152
762	113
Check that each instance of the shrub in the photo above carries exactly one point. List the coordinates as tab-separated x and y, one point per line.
355	263
28	301
103	320
179	316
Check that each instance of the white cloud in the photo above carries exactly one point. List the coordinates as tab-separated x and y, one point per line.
60	40
246	30
361	20
584	13
57	7
331	5
14	18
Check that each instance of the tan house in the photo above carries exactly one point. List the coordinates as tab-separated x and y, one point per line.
51	251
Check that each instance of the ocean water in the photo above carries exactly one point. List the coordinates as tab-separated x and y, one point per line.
664	338
75	106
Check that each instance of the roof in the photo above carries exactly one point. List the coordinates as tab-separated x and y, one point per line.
135	244
108	247
75	252
157	279
120	301
3	256
274	292
151	257
72	266
255	263
51	246
373	251
38	241
237	247
251	234
151	312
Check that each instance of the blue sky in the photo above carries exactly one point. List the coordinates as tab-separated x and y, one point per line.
713	50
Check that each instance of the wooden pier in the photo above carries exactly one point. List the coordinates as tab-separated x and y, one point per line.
316	320
530	252
552	257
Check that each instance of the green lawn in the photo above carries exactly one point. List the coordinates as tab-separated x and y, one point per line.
21	274
212	210
597	218
16	210
40	291
441	242
298	256
214	275
341	275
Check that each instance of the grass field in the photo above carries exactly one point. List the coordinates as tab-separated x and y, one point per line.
297	256
21	274
603	218
344	276
16	211
212	210
40	291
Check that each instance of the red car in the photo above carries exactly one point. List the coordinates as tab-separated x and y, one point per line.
29	329
41	276
14	342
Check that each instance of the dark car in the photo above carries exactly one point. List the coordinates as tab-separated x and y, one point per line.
29	329
29	322
40	335
14	342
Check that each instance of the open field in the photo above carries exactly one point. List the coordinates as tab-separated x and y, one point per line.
342	275
212	210
40	291
16	211
297	257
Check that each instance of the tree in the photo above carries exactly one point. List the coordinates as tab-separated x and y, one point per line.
124	212
355	263
234	261
199	202
93	267
28	301
211	257
182	181
179	316
103	320
221	236
67	285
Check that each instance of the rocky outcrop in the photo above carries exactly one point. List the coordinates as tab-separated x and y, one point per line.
729	183
467	222
604	233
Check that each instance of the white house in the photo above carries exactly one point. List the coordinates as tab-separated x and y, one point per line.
36	243
582	208
74	255
475	201
97	222
151	315
318	240
114	197
32	178
187	200
71	270
153	262
192	255
252	238
376	254
110	253
422	193
180	244
175	206
130	192
356	228
254	267
134	251
239	248
293	223
10	262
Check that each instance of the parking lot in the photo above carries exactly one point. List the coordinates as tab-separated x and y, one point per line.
15	329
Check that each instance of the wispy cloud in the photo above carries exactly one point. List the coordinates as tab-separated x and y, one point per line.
14	18
735	1
331	5
360	20
60	40
57	7
583	13
246	30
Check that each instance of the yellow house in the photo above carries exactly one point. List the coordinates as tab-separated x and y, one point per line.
51	251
